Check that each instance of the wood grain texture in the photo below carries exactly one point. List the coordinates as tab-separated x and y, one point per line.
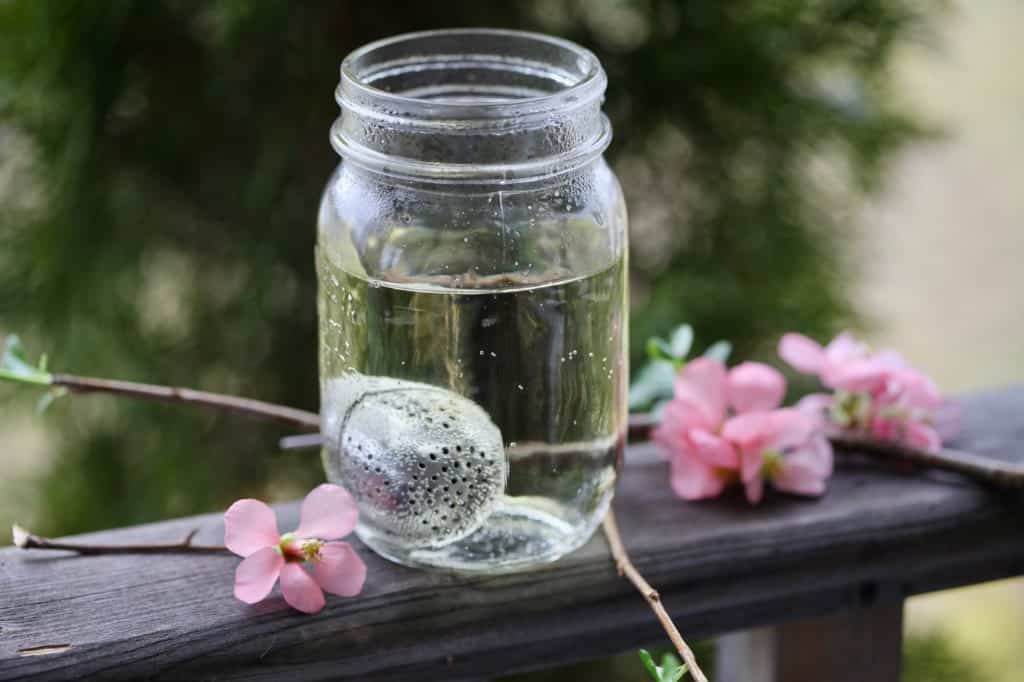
878	536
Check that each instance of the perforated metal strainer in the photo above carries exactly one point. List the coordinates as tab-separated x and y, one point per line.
425	465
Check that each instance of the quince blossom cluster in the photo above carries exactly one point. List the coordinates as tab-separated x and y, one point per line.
726	427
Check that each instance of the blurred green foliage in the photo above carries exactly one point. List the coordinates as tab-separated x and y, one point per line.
933	657
162	162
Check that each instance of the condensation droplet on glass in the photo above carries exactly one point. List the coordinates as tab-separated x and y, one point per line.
481	353
493	354
520	387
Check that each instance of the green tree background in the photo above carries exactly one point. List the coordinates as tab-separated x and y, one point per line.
163	160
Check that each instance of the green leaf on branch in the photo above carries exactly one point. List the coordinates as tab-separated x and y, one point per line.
682	340
659	349
652	384
15	366
719	350
670	669
645	656
48	398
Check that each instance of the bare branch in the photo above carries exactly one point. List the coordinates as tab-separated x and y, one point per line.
626	568
27	540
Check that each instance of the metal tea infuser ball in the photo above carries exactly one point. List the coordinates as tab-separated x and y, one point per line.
425	465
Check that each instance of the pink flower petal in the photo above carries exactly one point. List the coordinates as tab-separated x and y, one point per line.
328	513
339	570
915	390
751	463
754	490
788	428
800	479
693	479
815	405
713	449
884	429
677	419
922	437
300	590
870	375
815	456
748	432
702	385
803	354
845	348
249	525
683	415
256	575
755	386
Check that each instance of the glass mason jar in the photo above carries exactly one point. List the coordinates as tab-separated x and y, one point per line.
472	299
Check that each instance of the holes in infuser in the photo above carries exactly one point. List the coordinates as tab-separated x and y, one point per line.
422	465
454	481
434	477
444	470
433	456
444	450
444	424
458	448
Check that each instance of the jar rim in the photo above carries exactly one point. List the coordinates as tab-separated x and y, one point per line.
589	84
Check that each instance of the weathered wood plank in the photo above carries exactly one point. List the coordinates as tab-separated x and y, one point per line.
877	537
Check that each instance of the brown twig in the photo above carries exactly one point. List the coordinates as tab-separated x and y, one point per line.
173	394
986	469
26	540
626	568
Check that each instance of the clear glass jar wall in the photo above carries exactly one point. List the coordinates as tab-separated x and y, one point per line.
473	314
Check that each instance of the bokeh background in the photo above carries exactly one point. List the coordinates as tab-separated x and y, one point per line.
808	165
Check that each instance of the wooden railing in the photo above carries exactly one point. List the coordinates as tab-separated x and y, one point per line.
816	587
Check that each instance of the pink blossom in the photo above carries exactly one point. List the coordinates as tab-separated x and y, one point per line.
695	433
785	447
328	513
877	394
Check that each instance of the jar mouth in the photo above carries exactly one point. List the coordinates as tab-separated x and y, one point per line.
472	73
471	103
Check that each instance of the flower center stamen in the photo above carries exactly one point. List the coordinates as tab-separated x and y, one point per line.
771	463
